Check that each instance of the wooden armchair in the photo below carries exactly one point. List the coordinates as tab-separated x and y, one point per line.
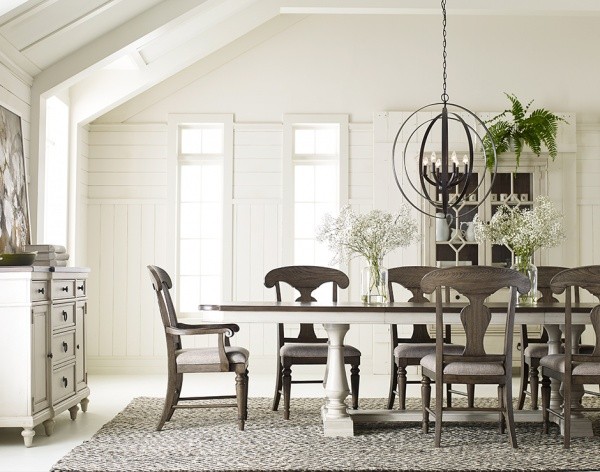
572	368
223	358
306	348
409	351
474	365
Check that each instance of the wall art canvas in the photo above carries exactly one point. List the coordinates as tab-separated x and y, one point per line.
14	206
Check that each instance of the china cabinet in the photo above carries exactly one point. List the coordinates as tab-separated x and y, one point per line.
42	344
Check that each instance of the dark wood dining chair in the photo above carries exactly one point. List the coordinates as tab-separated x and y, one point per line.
572	368
533	348
408	351
223	358
306	348
474	365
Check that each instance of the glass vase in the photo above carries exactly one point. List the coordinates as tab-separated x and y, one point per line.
525	265
374	284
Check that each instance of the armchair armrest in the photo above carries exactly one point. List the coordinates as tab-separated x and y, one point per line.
183	329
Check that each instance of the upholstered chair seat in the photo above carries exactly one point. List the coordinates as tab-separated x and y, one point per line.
312	350
536	350
464	368
422	349
210	356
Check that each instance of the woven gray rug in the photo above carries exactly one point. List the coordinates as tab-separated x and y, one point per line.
208	439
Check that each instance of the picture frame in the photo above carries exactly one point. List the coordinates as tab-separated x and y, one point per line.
14	200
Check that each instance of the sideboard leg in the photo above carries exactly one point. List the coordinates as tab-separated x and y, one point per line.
84	404
49	427
73	412
28	434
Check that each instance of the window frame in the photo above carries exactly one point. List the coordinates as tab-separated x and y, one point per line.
175	123
290	123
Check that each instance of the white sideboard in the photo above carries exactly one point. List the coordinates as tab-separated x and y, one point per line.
42	346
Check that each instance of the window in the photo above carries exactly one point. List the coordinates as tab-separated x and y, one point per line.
203	162
315	183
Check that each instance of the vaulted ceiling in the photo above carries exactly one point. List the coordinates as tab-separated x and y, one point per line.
104	52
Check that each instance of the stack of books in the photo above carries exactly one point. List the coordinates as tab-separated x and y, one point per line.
48	255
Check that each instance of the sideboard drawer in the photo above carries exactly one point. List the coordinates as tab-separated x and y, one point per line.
63	316
63	347
39	291
80	288
63	383
63	289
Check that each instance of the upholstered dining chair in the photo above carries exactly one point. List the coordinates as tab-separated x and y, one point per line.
408	351
572	368
306	348
223	358
533	348
474	365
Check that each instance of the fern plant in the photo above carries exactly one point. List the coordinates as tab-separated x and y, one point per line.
537	128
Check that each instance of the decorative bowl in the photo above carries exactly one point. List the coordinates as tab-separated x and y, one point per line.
19	259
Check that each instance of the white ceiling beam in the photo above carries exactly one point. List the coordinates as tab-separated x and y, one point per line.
129	36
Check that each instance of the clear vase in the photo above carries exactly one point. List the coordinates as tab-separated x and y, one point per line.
524	265
374	284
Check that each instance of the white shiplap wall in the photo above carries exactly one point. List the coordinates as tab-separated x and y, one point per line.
126	181
588	192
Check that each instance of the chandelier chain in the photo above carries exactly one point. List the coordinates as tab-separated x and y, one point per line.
444	96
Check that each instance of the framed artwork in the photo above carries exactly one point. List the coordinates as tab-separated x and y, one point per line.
14	204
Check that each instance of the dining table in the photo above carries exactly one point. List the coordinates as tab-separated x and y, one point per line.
336	318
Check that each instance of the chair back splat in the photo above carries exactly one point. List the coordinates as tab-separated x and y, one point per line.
307	347
473	366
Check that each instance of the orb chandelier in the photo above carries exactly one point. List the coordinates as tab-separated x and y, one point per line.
445	181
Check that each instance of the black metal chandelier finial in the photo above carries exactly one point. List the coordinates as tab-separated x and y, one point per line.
438	177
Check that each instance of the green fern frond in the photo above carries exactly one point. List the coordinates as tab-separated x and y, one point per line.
517	108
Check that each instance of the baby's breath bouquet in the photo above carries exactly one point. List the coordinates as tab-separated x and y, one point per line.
371	235
523	231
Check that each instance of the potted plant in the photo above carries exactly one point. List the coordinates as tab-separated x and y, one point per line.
534	129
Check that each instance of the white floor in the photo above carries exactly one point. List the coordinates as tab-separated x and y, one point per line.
110	394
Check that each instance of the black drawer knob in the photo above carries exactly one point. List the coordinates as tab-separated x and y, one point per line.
41	290
80	288
65	315
65	289
65	346
50	356
78	346
65	382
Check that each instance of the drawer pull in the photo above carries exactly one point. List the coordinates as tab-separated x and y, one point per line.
50	356
65	347
65	289
65	382
65	315
80	288
41	290
78	346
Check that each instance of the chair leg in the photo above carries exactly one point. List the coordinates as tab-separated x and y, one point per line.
449	395
524	383
510	417
278	382
246	381
501	405
287	390
567	417
426	401
170	397
240	392
545	403
178	386
439	405
393	385
534	386
470	395
401	380
355	383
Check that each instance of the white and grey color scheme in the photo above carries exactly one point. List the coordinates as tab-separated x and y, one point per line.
194	441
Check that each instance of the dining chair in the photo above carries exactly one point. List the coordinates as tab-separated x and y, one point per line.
223	358
408	351
572	368
533	348
474	365
306	348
